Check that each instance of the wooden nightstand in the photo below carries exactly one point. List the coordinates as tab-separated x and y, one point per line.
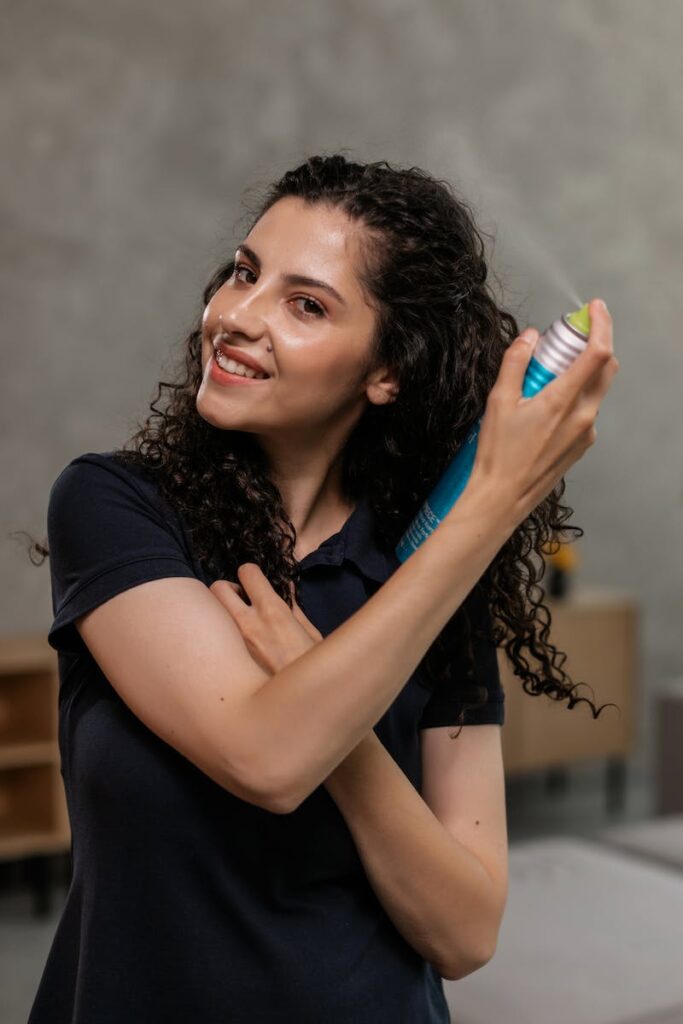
597	628
33	813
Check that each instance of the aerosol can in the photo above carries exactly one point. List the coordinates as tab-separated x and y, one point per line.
555	351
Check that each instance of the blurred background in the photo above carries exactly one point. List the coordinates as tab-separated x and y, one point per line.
131	136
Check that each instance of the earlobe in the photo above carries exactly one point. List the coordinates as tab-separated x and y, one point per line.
387	391
384	396
383	385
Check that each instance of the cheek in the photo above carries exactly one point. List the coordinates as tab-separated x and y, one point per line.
329	365
323	382
310	394
207	353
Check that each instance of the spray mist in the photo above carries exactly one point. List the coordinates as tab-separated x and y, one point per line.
555	351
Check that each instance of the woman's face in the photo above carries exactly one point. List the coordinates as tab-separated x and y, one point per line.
314	344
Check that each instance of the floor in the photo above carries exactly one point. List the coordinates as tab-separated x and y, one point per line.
572	803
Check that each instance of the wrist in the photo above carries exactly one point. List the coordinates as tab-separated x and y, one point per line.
489	502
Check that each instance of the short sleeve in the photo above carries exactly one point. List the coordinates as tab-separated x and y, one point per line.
107	532
445	704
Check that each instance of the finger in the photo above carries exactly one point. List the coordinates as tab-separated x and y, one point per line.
296	610
515	363
235	587
256	584
600	385
589	364
228	594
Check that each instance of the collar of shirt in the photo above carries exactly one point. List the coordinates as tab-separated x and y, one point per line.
357	543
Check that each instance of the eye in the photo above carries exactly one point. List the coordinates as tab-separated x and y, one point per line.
319	310
241	266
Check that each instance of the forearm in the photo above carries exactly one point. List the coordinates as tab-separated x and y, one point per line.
437	893
304	720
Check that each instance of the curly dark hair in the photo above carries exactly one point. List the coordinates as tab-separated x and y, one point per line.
440	329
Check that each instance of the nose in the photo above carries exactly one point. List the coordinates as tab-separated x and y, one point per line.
241	321
243	314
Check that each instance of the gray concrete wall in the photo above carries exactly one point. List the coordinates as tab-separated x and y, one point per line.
131	130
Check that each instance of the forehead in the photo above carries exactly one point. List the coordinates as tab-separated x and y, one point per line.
314	239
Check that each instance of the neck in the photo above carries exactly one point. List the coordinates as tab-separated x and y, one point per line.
310	484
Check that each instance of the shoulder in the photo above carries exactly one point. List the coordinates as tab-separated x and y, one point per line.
97	469
108	529
98	495
94	480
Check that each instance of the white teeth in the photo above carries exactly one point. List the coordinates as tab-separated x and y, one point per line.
239	368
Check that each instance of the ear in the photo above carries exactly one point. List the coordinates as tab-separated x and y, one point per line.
382	386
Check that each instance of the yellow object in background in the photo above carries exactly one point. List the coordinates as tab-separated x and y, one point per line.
562	556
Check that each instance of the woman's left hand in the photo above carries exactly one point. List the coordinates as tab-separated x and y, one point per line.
274	633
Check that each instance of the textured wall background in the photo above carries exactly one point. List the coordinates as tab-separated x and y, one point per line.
130	132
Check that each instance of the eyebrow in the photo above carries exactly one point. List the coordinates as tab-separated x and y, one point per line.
310	282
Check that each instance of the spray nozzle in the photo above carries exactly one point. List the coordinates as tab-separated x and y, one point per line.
580	320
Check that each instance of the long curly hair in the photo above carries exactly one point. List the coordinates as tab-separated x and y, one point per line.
440	329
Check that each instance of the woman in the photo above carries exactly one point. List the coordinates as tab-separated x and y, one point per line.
270	819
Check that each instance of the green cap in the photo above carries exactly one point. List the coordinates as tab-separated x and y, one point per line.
580	320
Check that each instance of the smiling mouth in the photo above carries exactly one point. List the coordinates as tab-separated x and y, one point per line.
222	375
235	368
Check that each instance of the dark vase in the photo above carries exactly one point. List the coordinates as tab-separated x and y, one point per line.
558	584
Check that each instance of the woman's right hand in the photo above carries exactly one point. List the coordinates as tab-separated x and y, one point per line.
526	445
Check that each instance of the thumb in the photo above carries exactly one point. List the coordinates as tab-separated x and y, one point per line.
229	594
516	362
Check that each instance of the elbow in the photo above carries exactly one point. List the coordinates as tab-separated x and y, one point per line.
277	801
279	805
479	951
263	773
276	796
270	799
268	787
281	798
457	970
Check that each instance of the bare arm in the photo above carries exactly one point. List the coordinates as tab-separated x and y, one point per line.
315	710
179	661
439	864
437	892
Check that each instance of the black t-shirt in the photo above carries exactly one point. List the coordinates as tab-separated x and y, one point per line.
188	905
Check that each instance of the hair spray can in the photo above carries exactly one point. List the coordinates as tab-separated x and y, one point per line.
555	350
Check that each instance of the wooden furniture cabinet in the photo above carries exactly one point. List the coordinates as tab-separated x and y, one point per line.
33	813
597	628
